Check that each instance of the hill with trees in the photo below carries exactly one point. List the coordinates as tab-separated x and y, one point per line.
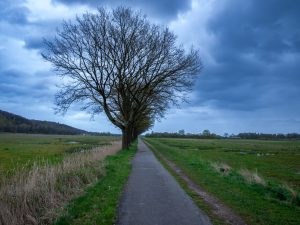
10	122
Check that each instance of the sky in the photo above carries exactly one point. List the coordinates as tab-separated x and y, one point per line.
250	52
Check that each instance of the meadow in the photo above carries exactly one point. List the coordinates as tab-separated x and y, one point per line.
260	180
19	151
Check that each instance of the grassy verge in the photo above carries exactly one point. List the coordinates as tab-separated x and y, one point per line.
34	196
98	204
199	201
276	160
257	203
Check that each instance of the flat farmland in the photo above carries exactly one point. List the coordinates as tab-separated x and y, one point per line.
260	180
19	151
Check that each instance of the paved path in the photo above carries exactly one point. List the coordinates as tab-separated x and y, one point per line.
153	197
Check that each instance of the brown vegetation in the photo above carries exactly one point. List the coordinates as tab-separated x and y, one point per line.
252	177
35	196
222	168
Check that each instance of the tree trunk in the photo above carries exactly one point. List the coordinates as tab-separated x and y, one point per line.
126	137
134	134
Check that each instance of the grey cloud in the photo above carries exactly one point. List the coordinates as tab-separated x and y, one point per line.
12	12
17	84
255	74
41	30
15	24
165	9
257	56
34	42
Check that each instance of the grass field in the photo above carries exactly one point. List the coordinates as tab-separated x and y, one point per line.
22	150
260	180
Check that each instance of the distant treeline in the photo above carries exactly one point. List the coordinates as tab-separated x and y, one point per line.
17	124
182	134
262	136
102	134
207	134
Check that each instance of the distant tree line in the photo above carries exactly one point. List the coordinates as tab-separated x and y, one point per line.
102	134
206	134
262	136
181	134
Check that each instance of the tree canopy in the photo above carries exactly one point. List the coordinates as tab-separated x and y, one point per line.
119	63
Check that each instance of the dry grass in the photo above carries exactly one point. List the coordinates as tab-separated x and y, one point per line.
35	196
291	191
222	168
252	177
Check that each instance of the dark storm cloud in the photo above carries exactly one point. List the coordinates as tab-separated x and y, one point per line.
257	55
268	26
166	9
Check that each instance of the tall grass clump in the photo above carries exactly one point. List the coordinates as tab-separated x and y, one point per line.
221	168
36	196
252	177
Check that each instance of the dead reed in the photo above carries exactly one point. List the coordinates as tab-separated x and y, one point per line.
36	196
252	177
221	168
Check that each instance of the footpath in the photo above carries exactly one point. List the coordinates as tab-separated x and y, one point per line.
153	196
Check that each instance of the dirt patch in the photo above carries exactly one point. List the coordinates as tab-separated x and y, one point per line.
219	209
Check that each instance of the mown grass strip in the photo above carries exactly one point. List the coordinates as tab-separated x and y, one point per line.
250	201
98	204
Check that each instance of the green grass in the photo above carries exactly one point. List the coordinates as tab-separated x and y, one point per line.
22	150
98	204
199	201
278	163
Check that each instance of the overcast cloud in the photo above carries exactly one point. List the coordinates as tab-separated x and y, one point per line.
250	51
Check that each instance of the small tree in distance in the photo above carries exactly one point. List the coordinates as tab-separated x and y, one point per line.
181	132
206	133
119	63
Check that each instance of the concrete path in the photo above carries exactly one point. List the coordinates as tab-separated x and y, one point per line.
153	197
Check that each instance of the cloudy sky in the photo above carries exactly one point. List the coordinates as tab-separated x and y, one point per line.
250	51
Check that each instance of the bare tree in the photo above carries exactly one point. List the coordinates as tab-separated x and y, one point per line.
118	62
